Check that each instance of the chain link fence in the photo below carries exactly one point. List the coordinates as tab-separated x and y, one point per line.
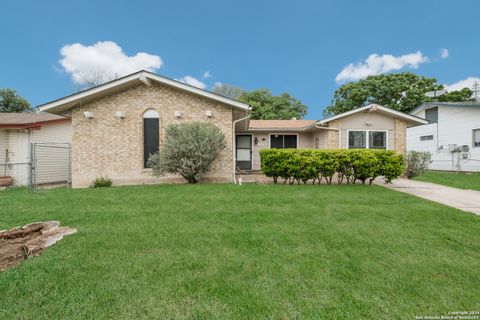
49	166
14	174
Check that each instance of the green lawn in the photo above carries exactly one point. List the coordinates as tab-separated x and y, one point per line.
238	252
452	179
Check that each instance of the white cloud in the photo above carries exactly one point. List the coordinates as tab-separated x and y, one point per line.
193	82
104	57
207	74
465	83
444	53
377	64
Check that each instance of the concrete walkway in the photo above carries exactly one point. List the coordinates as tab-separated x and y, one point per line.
466	200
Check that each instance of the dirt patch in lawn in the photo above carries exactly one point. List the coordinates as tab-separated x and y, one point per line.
20	243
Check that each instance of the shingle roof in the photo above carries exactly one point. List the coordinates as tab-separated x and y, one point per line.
280	124
22	119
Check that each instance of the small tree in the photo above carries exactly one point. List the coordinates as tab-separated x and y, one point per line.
416	163
189	150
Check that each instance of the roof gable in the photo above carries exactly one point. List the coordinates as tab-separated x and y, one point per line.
374	108
122	83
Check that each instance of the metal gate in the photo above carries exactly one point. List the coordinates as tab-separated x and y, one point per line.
50	165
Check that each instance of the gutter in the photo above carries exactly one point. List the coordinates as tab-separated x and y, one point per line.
234	147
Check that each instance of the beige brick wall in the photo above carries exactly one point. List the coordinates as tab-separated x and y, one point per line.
400	136
113	147
305	141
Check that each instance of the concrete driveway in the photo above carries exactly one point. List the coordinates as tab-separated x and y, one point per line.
466	200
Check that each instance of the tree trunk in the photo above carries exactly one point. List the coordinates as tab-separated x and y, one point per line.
18	244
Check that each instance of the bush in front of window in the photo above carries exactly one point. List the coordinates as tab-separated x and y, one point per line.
303	165
101	182
189	150
416	163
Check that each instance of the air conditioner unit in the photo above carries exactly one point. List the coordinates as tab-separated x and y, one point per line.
120	114
88	115
178	114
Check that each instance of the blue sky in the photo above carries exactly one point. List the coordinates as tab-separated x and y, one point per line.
296	46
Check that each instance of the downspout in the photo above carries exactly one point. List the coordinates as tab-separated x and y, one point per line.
234	147
334	129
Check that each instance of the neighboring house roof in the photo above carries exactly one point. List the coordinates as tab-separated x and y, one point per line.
375	108
139	77
11	120
447	104
280	124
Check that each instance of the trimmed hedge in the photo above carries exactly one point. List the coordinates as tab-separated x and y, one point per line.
303	165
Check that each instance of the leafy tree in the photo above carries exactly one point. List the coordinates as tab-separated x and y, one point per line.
189	150
228	91
269	107
399	91
456	96
10	101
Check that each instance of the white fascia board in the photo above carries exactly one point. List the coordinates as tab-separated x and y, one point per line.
83	94
398	114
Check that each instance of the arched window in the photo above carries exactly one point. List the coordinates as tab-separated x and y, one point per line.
151	134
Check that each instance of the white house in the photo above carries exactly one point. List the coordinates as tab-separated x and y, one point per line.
452	135
18	131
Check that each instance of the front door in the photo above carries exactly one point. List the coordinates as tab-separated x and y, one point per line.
243	153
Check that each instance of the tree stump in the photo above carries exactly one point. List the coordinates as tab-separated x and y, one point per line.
20	243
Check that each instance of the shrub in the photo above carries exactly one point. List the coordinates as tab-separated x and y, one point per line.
416	163
294	165
189	150
101	182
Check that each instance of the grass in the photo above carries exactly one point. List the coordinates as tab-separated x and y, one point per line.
460	180
251	251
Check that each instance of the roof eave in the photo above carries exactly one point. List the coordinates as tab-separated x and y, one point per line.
142	76
396	113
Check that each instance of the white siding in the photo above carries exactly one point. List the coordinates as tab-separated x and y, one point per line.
52	162
455	126
14	155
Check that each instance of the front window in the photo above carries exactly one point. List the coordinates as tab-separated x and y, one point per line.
151	121
431	115
356	140
426	138
283	141
476	138
376	140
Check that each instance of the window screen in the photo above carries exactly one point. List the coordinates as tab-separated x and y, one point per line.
377	140
276	141
150	138
431	115
290	141
425	138
476	138
283	141
356	139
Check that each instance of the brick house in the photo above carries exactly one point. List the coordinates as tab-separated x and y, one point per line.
115	126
